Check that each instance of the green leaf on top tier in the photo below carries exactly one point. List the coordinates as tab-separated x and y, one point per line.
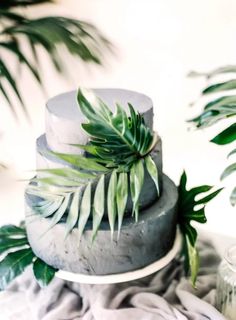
187	212
116	137
43	273
119	151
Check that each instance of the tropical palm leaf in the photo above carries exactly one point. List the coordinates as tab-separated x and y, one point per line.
217	110
80	39
119	152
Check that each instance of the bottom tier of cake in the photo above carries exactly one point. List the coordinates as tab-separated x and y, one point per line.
139	243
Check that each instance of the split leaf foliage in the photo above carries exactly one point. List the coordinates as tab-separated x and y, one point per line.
188	211
16	255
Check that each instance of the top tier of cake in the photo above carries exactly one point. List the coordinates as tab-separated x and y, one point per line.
64	118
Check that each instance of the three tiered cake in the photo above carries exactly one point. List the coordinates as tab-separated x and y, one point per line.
139	242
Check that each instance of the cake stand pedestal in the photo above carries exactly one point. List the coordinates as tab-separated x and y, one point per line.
126	276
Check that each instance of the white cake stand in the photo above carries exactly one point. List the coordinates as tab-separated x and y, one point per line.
126	276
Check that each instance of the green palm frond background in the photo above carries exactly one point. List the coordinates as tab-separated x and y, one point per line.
119	152
51	33
218	110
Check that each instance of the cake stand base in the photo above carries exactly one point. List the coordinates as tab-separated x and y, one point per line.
126	276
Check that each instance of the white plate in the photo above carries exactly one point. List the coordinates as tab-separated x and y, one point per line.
126	276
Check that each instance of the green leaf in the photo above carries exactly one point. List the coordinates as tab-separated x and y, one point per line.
231	153
19	3
193	261
121	197
57	181
111	201
85	210
226	136
46	210
61	211
136	184
80	162
7	243
190	232
222	101
152	170
43	273
69	173
73	212
233	197
49	33
188	213
209	197
11	230
4	72
13	265
98	205
211	116
217	71
227	85
115	137
229	170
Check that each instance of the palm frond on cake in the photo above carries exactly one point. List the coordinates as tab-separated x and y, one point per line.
119	151
190	209
218	110
16	255
22	37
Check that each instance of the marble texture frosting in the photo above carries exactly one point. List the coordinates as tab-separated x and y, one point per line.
64	118
139	244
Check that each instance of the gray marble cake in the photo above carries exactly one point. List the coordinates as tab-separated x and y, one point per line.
140	243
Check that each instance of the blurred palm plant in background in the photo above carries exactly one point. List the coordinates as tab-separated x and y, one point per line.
21	37
219	109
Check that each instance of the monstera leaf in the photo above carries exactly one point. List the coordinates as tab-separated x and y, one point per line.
218	110
16	255
188	213
119	150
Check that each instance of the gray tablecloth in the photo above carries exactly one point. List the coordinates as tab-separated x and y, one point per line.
166	295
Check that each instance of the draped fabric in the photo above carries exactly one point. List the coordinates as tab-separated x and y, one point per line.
166	295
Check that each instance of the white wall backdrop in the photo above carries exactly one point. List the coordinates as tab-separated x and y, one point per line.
157	43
